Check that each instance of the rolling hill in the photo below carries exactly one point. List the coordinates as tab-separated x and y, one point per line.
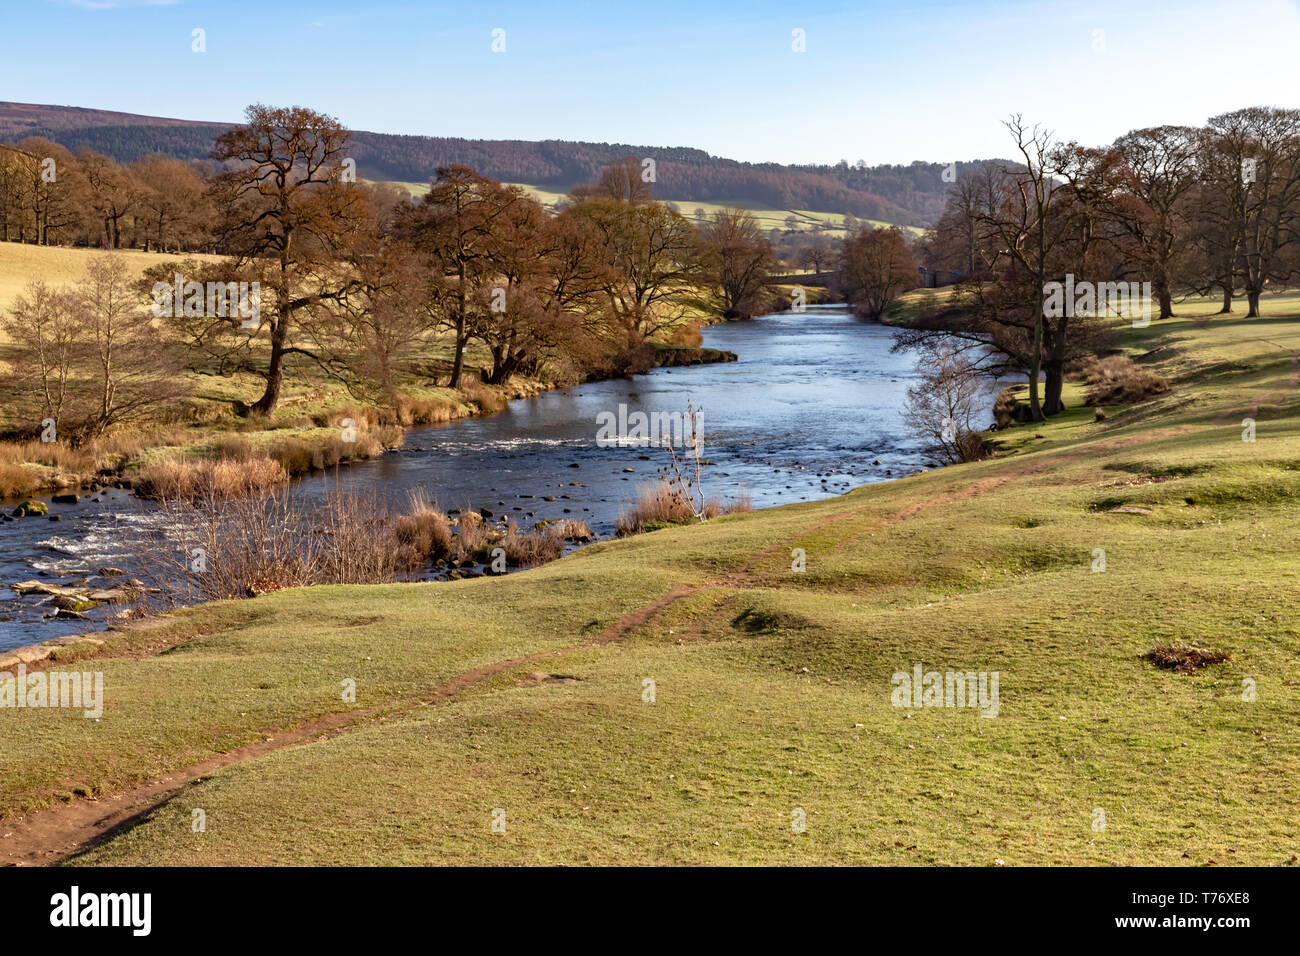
909	195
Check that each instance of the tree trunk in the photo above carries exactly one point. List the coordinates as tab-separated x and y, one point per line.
458	365
1035	366
274	371
1227	300
1252	300
1052	404
1163	296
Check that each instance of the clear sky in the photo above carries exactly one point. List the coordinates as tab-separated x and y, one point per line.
884	82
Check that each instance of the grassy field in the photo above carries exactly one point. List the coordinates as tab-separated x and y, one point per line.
525	695
20	263
832	223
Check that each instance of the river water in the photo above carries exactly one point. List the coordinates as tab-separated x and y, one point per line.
814	400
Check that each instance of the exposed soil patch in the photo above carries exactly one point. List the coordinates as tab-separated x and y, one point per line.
1186	658
537	677
1142	480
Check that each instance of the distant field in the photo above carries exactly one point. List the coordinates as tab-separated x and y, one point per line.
832	222
19	264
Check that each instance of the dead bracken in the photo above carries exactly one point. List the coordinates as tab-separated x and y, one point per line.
1186	658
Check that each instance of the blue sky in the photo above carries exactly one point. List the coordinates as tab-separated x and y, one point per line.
884	82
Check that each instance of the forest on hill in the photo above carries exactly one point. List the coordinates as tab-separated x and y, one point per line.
912	194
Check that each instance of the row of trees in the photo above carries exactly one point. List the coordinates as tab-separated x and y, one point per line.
1215	209
49	196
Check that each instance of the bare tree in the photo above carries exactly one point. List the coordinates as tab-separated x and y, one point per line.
89	357
453	227
128	367
1251	197
286	214
943	405
111	193
173	207
1158	178
736	262
652	255
1027	233
45	346
876	266
624	180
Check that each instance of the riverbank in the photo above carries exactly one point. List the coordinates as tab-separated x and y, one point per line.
308	434
778	428
317	425
735	691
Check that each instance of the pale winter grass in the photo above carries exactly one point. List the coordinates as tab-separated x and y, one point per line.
527	549
433	534
207	479
488	401
425	528
301	455
27	467
662	503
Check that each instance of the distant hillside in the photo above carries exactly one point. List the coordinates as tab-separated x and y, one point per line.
908	195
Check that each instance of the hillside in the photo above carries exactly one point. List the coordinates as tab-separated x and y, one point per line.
911	195
773	689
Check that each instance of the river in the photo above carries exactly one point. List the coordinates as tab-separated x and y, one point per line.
813	402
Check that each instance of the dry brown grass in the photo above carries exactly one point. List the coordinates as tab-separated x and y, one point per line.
432	534
473	534
18	480
1117	380
421	411
687	335
571	529
27	467
299	455
425	528
661	503
230	460
527	549
220	548
220	479
488	400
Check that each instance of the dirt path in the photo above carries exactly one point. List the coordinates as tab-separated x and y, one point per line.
47	836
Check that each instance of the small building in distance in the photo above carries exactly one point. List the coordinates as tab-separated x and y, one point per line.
938	278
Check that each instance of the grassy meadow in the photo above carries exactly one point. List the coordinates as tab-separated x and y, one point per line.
832	223
772	688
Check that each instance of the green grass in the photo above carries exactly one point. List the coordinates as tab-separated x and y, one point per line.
773	687
908	307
